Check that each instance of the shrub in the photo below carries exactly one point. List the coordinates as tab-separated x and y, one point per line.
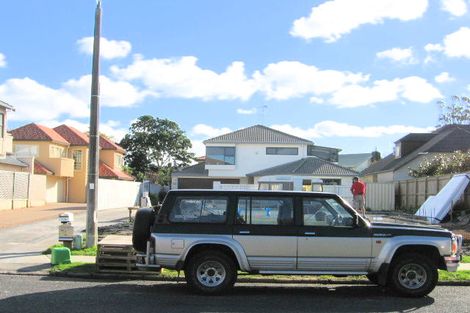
442	164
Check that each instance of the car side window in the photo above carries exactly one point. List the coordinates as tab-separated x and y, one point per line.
199	210
325	212
265	211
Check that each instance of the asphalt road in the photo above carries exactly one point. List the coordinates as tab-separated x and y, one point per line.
53	294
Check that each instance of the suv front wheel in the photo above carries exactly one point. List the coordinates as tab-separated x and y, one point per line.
210	272
413	275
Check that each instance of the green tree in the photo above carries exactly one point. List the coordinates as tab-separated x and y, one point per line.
455	111
155	147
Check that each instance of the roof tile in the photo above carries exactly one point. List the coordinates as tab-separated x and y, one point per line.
35	132
306	166
258	134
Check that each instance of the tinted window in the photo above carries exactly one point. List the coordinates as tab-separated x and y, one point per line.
282	151
265	211
325	212
220	155
199	210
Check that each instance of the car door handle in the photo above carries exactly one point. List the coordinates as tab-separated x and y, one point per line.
244	232
310	233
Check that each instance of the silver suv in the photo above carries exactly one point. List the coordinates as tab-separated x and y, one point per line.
212	235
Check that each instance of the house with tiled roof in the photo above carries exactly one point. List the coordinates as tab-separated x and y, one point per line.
47	153
60	156
110	164
238	157
414	148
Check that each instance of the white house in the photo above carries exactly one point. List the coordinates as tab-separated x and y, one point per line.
236	157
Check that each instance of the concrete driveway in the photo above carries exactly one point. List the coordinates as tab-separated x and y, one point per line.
21	245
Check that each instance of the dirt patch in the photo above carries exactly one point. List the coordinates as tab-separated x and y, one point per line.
123	228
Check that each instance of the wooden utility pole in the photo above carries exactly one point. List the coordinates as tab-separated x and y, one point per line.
93	153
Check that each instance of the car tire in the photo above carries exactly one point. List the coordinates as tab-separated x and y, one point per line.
144	219
413	275
210	273
373	278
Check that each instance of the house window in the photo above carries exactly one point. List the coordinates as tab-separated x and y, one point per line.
77	157
220	155
282	151
56	152
119	160
397	150
26	150
2	123
329	181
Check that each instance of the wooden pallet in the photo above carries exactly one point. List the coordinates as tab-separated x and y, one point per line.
116	255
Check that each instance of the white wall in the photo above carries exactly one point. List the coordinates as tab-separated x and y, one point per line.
252	157
114	194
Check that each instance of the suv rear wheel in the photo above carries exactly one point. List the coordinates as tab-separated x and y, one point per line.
210	272
413	275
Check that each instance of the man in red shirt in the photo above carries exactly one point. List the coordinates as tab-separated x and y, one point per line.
358	189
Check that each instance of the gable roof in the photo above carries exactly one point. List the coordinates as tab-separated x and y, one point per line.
108	144
258	134
447	139
306	166
107	172
35	132
41	169
72	135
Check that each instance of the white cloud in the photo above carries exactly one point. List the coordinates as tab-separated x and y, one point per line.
398	55
109	49
412	88
183	78
336	129
454	7
455	45
112	93
110	128
34	101
247	111
3	61
333	19
444	77
316	100
289	79
430	47
208	131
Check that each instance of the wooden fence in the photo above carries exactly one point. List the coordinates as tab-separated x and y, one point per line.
411	194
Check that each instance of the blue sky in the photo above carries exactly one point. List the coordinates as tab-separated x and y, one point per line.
355	75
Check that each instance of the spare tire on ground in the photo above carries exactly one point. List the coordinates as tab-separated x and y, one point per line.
144	219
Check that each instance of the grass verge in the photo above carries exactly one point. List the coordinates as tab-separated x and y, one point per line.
466	259
90	268
87	251
74	267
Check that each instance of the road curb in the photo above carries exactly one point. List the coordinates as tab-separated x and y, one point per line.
112	276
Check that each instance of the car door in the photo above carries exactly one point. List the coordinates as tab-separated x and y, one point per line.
329	241
264	227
